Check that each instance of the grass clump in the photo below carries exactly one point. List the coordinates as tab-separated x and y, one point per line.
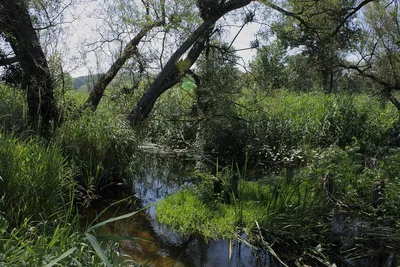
55	242
11	109
299	208
101	146
191	212
35	180
39	224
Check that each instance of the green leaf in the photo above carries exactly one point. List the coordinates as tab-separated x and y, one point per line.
97	248
63	256
119	238
94	227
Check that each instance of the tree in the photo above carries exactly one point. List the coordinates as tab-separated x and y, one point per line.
323	30
301	73
379	48
268	68
17	29
147	18
219	84
173	71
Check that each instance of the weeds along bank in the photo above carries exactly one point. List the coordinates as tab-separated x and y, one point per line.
43	184
38	219
100	146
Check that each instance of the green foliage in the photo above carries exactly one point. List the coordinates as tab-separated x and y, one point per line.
195	211
294	209
220	130
284	125
38	224
171	117
12	105
56	242
268	68
382	36
300	73
100	145
311	31
35	180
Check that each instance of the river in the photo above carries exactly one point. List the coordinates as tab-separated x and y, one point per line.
157	176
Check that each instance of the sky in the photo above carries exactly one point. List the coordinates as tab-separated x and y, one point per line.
82	29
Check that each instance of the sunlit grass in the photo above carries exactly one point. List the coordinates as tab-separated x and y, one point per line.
35	180
186	213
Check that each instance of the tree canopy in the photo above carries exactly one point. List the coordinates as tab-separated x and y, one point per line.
164	39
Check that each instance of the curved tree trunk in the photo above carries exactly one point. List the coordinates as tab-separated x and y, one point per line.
16	25
175	74
171	74
129	50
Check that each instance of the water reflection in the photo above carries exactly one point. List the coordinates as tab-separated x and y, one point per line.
154	244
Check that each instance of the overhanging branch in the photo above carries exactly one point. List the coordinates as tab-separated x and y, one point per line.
8	61
387	88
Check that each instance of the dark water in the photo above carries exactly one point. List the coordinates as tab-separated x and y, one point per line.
155	245
159	175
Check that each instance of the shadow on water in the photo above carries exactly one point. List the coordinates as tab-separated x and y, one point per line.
155	245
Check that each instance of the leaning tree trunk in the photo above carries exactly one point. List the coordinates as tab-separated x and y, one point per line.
129	50
172	73
16	25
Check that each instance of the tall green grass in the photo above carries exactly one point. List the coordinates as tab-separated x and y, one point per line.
101	146
280	126
35	180
59	241
39	223
12	106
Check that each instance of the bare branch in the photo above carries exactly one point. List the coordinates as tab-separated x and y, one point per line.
8	61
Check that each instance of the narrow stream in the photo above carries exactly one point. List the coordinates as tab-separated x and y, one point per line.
154	244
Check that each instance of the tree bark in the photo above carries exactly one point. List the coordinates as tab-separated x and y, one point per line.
16	26
171	74
331	81
8	61
325	80
130	49
146	103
